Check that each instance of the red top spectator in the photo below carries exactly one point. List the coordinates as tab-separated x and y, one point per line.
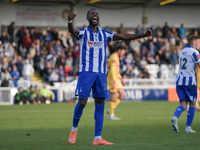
27	41
68	71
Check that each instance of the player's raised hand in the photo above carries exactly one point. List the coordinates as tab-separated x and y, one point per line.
71	16
148	33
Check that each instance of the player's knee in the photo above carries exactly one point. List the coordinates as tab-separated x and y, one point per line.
82	101
122	96
192	104
99	100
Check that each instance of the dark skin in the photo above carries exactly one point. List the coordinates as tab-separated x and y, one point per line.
93	19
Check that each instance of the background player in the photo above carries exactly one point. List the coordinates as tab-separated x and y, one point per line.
198	90
186	83
115	86
92	68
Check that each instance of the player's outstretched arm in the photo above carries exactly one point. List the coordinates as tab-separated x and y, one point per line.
131	36
72	30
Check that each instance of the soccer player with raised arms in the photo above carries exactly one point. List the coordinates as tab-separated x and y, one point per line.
115	86
186	83
92	70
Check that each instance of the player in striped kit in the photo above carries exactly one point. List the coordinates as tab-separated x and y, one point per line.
186	83
92	68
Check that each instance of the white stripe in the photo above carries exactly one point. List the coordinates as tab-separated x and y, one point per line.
110	35
194	81
103	54
180	82
95	57
81	49
87	51
187	81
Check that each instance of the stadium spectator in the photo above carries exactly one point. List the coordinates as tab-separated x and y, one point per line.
121	29
11	31
36	61
33	34
35	97
4	37
5	77
70	41
173	58
45	94
19	64
55	34
27	70
21	96
27	42
181	31
165	30
138	30
30	91
15	76
68	71
20	35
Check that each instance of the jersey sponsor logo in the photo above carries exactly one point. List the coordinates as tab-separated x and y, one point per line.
95	44
184	53
90	43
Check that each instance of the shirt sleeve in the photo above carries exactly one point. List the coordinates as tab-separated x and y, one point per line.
196	56
109	35
81	33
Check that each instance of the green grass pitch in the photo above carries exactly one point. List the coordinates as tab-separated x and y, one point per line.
143	125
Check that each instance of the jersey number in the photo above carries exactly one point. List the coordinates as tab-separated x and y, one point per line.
182	63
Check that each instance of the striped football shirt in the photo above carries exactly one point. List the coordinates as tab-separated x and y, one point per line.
93	49
187	66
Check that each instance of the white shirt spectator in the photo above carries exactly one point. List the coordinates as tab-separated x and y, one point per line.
27	70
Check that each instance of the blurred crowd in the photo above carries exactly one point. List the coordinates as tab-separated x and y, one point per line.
56	57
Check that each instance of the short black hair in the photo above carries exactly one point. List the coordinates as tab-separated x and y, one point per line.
120	46
192	38
89	11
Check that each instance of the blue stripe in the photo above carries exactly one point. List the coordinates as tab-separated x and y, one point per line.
100	38
84	51
91	36
178	80
195	56
100	59
105	45
109	39
184	78
91	53
91	59
100	55
190	80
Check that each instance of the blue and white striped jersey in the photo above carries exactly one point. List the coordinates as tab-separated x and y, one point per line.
187	66
93	49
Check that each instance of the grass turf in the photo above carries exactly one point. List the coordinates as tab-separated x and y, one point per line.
144	125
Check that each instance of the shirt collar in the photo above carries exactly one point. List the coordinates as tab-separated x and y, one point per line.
190	46
89	29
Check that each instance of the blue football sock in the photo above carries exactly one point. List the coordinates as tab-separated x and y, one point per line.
77	114
190	116
178	111
99	118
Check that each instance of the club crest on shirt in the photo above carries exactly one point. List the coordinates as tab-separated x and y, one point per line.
95	44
